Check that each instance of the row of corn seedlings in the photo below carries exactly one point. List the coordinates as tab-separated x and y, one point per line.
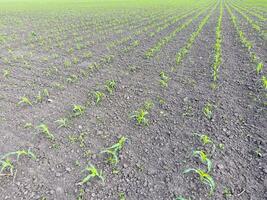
94	97
217	47
252	13
185	49
8	160
73	78
160	44
204	156
254	58
252	22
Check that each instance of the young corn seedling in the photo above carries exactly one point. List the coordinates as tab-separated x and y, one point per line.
264	82
81	194
75	61
148	105
41	95
122	196
67	63
204	178
24	152
25	100
28	125
207	111
259	67
93	172
114	150
6	73
164	79
204	139
19	153
203	158
227	192
98	96
72	78
110	86
163	83
78	110
6	165
164	76
62	122
140	116
43	128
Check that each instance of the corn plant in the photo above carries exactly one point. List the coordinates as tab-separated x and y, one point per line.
204	178
114	150
24	152
264	82
67	63
81	194
148	105
6	165
80	139
41	95
98	96
227	192
205	139
122	196
185	49
33	34
107	59
72	78
203	158
93	172
28	125
25	100
110	86
62	122
43	128
164	79
75	61
87	55
140	116
207	111
259	67
218	51
6	73
78	110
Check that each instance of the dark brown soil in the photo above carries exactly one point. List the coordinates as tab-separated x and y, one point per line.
152	162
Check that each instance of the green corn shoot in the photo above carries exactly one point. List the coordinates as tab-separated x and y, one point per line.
92	173
148	105
98	96
6	73
110	86
264	82
25	100
78	110
62	122
140	116
114	150
259	67
204	178
6	165
43	128
203	158
207	110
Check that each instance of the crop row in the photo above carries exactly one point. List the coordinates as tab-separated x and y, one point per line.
248	44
